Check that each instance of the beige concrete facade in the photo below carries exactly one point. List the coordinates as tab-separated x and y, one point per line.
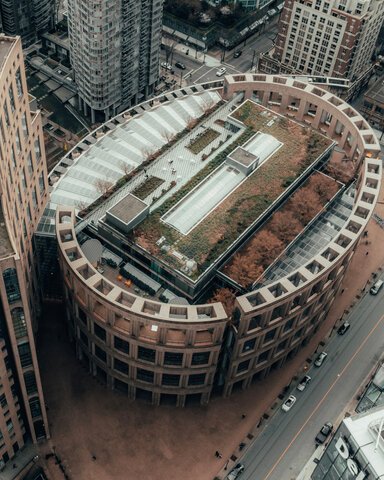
172	352
23	193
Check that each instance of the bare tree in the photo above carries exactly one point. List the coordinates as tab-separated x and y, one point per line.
125	167
167	135
102	186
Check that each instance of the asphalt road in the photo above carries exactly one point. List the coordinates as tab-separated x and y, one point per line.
287	441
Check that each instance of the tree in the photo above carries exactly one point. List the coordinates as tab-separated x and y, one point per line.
323	186
265	247
102	186
125	167
285	225
307	204
243	269
226	297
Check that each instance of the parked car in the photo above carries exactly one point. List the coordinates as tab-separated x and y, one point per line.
236	472
320	359
304	382
166	65
324	433
221	72
343	328
375	289
237	54
180	65
288	404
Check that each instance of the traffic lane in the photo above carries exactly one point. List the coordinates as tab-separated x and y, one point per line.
328	405
201	76
269	453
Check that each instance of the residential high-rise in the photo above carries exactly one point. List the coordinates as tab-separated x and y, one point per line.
27	18
114	52
23	196
327	37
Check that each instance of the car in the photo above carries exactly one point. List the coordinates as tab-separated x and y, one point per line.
324	433
180	65
166	65
236	472
375	289
343	328
320	359
288	404
221	72
237	54
304	382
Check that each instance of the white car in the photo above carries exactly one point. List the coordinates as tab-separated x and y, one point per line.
320	359
166	65
303	383
221	72
288	404
236	472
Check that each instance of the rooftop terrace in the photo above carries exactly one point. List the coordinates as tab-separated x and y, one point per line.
6	44
207	231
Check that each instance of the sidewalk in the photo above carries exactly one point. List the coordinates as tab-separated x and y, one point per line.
88	420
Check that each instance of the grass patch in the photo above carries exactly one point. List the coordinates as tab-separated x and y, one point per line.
147	187
203	139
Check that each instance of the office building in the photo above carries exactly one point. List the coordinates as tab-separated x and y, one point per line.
356	450
114	47
334	38
23	195
27	18
138	260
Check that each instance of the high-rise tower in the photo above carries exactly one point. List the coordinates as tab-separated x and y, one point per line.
328	37
27	18
114	51
23	196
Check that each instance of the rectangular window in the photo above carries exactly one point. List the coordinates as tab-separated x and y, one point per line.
84	338
9	425
34	405
29	213
170	380
23	179
249	345
18	143
30	382
42	184
100	353
121	366
37	150
196	379
25	355
24	125
146	354
201	358
82	316
11	98
99	332
11	285
19	84
3	401
121	345
145	375
30	164
173	358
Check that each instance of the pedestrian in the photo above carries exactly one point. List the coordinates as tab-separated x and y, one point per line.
93	457
14	466
342	291
367	253
218	454
243	416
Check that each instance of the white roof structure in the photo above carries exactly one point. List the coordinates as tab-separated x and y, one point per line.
108	156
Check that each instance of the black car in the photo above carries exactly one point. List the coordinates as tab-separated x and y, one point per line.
324	433
237	54
343	328
180	65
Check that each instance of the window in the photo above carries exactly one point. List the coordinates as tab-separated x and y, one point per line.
30	163
82	316
9	425
201	358
121	345
100	353
173	358
263	357
34	405
24	125
30	382
249	345
19	85
145	375
84	338
11	98
42	184
288	325
25	354
170	380
37	150
243	366
19	324
3	401
121	366
34	198
99	332
18	143
11	285
120	386
146	354
270	336
196	379
255	322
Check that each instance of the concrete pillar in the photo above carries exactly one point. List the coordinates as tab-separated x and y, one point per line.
85	109
92	115
344	136
180	401
317	120
302	110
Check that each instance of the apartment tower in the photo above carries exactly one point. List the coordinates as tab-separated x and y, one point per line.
23	196
114	48
334	38
27	18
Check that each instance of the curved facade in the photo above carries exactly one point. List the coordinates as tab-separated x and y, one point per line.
178	353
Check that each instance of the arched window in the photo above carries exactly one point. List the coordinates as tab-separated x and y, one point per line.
19	324
11	285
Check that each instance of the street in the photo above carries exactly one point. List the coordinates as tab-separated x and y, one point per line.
288	440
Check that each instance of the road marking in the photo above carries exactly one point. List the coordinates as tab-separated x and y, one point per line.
324	397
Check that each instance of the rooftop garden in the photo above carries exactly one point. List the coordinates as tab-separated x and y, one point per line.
249	263
212	236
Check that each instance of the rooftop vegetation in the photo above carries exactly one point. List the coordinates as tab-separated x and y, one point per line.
211	237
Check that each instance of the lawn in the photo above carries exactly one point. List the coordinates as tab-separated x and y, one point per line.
301	146
202	140
147	187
